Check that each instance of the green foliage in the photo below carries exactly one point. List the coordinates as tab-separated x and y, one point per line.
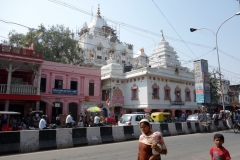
214	83
57	43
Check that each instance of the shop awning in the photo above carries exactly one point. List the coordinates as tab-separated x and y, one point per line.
47	101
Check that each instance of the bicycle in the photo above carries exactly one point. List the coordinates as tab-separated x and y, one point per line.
236	127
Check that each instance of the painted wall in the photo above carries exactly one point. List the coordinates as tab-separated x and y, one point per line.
66	72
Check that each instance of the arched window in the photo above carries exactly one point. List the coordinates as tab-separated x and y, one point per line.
178	94
187	94
167	95
134	92
155	91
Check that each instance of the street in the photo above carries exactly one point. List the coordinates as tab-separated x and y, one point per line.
186	147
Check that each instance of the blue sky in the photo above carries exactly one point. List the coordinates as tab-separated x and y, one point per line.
144	14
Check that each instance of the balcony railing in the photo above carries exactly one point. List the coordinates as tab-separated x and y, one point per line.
7	49
19	89
3	88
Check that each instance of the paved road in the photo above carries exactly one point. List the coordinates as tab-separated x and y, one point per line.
186	147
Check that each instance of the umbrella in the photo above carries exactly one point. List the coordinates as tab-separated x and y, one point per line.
94	109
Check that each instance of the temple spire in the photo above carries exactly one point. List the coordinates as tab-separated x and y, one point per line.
163	39
98	12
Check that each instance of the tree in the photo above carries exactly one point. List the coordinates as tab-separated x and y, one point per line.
56	43
214	88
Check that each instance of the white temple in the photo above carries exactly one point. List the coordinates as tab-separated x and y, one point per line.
136	82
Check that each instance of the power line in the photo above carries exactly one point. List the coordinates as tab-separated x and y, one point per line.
173	27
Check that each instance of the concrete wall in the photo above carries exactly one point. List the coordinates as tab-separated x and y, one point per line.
34	140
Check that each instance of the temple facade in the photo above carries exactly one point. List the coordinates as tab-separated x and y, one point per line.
136	82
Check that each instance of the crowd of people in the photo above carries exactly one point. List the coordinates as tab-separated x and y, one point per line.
16	122
84	121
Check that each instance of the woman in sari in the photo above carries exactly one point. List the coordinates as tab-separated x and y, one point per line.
151	144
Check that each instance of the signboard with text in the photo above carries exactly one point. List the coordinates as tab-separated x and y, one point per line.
64	91
202	82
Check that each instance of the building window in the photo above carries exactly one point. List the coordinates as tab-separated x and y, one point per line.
73	85
99	57
167	93
134	92
225	97
91	89
187	94
105	95
123	61
111	51
124	53
105	58
43	85
130	47
178	94
155	91
58	84
99	48
194	94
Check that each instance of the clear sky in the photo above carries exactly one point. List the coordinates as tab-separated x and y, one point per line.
182	14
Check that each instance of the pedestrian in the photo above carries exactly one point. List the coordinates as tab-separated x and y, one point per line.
58	120
151	144
218	152
96	120
69	120
183	117
5	119
80	123
85	120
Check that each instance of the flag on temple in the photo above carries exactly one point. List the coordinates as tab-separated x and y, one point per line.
31	47
38	36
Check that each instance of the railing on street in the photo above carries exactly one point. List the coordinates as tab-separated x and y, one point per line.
19	89
8	49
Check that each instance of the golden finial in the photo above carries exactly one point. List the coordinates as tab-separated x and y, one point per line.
162	35
98	12
142	49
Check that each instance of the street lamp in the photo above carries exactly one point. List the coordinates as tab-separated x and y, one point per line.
215	34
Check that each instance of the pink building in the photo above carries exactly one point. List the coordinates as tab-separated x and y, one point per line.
67	88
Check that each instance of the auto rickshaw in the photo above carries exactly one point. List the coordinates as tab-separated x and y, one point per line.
161	117
6	125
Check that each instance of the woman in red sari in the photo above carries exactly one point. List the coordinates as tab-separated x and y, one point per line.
151	144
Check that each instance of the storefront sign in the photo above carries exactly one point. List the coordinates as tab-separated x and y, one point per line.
177	102
64	91
118	104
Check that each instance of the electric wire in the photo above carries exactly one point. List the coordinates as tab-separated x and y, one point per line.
173	27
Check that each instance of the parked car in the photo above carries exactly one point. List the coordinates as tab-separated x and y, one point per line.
199	117
133	119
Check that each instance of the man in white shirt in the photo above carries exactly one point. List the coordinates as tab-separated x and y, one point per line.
42	123
96	120
69	120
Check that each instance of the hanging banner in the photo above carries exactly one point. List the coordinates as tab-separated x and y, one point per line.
202	81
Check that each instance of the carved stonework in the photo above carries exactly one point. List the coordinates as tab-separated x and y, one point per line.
117	98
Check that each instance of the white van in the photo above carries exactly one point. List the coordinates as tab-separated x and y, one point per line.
133	119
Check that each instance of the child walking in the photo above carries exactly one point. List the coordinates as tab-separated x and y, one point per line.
218	152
